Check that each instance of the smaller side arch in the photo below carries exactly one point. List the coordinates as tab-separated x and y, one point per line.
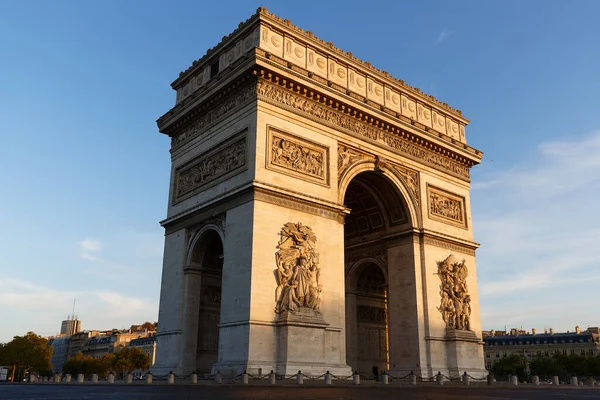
198	235
355	269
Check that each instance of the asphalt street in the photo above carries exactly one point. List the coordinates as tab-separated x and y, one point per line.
84	392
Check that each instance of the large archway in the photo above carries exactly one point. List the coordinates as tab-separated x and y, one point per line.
207	257
377	211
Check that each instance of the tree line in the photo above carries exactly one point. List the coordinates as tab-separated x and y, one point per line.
31	353
546	366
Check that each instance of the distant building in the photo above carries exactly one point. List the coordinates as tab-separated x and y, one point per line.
527	344
79	340
70	326
147	345
60	347
100	345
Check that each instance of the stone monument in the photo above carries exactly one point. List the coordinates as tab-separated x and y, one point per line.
319	216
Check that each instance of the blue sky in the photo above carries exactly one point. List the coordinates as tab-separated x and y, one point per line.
84	171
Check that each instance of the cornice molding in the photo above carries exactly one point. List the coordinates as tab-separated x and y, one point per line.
311	104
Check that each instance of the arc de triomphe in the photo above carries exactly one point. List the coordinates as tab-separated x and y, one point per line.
319	216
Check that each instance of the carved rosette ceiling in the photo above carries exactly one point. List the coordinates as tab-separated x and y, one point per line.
298	272
455	304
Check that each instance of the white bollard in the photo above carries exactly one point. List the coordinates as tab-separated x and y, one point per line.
80	378
68	378
327	378
299	378
412	378
218	377
57	378
514	380
535	380
149	378
356	379
573	381
129	378
194	378
555	380
111	378
272	378
171	378
439	378
94	378
466	379
385	379
245	378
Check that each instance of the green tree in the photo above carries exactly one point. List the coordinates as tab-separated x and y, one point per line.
28	353
511	365
129	359
80	364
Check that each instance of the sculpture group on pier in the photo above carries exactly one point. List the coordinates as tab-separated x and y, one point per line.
298	273
455	303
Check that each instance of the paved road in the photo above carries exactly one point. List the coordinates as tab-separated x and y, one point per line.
85	392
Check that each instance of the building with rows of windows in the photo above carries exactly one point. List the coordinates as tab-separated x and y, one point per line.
525	344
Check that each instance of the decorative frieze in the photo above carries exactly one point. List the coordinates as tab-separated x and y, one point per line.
220	163
325	114
446	207
297	204
297	157
214	115
450	245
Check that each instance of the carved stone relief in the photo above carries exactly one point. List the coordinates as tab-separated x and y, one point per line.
213	115
277	95
298	272
446	206
455	305
297	157
410	178
346	158
209	168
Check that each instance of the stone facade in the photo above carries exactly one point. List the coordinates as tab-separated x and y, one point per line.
316	204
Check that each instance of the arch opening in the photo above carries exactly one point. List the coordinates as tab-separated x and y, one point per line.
207	258
377	210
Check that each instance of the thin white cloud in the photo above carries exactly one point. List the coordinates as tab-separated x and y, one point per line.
98	309
564	166
539	230
445	33
89	248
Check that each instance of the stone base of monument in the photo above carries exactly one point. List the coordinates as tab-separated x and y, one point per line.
302	345
464	352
